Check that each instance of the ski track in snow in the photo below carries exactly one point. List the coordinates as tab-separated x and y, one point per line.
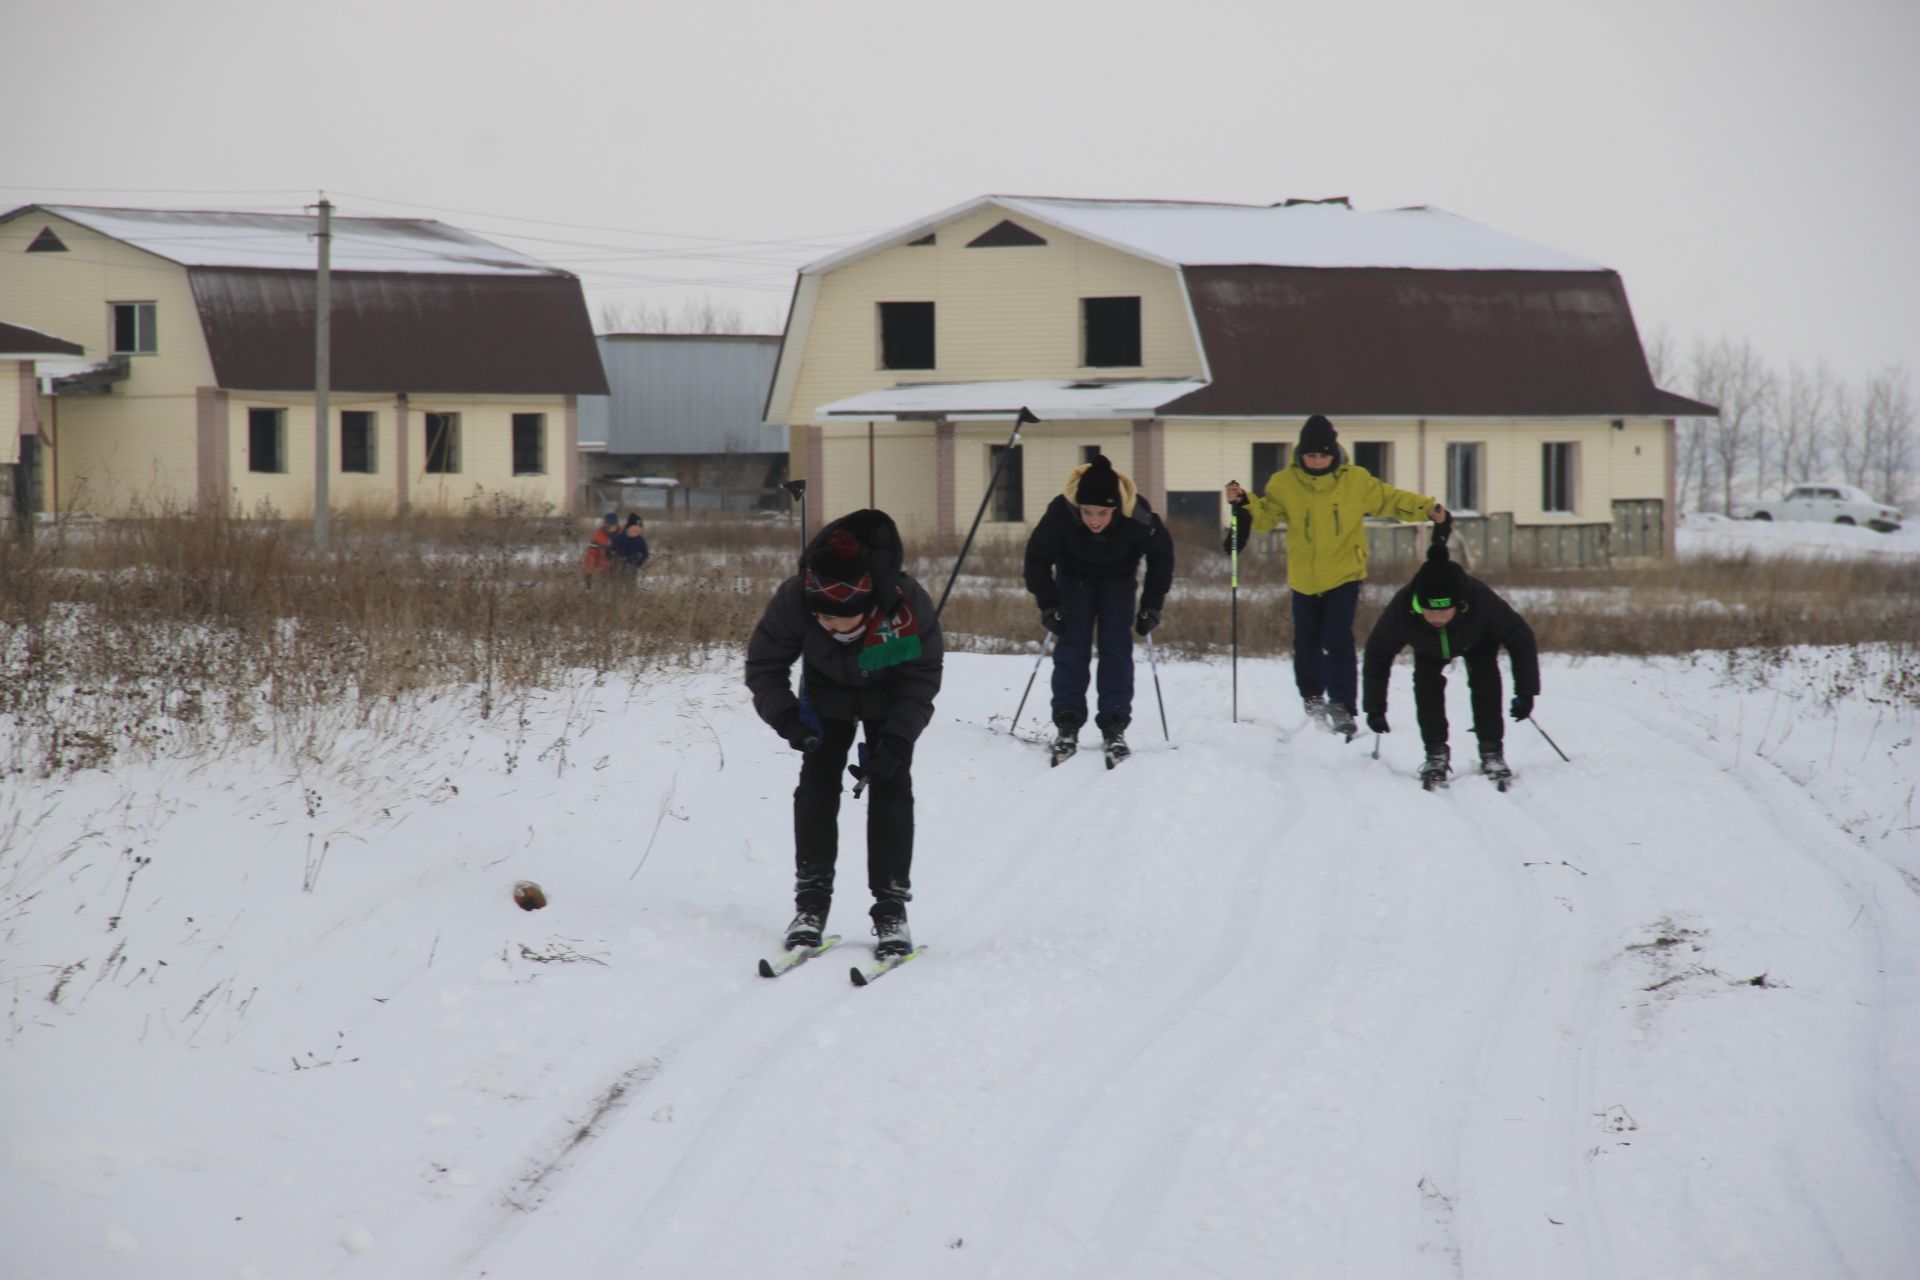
1250	1004
1151	1092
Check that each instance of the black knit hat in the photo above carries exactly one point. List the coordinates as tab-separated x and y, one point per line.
839	575
1099	484
1318	436
1439	583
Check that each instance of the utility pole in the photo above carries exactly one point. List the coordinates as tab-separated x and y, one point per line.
322	369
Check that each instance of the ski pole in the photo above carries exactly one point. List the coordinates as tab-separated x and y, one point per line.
1376	746
1233	544
1154	662
1013	442
1045	641
1550	742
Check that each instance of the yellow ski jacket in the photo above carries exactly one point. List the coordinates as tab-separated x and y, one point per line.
1324	515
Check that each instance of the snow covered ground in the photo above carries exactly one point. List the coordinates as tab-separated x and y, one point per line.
1253	1005
1708	533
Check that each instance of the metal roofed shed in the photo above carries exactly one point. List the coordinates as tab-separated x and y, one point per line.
687	407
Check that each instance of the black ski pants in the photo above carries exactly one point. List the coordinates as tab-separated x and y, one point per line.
1483	690
816	821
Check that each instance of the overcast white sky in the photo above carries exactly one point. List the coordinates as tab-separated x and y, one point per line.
1749	166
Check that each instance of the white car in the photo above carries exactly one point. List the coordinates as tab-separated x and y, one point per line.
1830	504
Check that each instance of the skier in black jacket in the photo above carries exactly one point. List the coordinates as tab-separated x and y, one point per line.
1082	559
1444	614
870	657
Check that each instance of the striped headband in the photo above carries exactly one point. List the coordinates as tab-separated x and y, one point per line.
839	592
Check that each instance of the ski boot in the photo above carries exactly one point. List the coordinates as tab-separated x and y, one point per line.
1113	732
1340	720
1494	765
1066	736
804	933
890	927
1317	709
1433	774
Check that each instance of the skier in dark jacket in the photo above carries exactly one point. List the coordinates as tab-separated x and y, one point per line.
1081	563
870	658
1441	615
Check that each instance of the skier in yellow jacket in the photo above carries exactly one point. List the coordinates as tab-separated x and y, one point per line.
1323	500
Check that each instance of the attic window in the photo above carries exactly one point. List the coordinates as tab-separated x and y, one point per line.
1344	202
906	335
1004	235
46	242
923	240
133	328
1110	333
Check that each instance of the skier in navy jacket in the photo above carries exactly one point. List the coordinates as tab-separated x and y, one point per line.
1081	566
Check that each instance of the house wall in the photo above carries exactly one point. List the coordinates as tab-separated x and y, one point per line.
133	447
485	455
1613	465
998	313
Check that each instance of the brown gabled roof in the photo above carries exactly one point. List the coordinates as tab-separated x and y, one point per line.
1406	342
18	340
473	334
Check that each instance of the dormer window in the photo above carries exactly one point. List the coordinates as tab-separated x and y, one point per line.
133	328
1110	333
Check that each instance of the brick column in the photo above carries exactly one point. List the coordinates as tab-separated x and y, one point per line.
570	461
1150	462
945	483
1670	518
401	479
817	514
213	448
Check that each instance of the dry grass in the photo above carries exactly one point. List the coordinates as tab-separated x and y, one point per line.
209	629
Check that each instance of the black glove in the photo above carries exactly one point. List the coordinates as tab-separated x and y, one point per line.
1242	526
886	757
1147	620
1522	706
1377	721
795	731
1053	620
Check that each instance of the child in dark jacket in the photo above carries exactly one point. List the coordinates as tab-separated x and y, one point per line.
629	546
1081	566
1441	615
870	658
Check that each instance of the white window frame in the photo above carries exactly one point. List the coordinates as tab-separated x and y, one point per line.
453	445
1571	481
540	443
146	338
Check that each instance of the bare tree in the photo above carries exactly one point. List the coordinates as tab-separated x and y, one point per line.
1805	418
1887	434
1743	390
702	315
1693	458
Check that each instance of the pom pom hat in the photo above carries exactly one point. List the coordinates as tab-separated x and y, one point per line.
1099	484
1439	583
839	575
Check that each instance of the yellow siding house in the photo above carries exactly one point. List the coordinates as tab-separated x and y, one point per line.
456	363
1188	342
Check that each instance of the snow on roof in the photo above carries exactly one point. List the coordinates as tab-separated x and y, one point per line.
284	241
1303	235
1050	399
